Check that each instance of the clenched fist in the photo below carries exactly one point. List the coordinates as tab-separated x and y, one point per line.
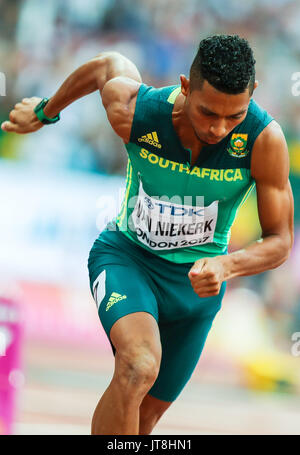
206	276
22	118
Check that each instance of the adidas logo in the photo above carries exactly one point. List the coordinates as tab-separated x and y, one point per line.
151	138
114	298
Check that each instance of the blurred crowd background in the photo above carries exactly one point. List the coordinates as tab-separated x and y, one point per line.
59	186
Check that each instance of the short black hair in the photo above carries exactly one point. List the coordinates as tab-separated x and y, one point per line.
226	62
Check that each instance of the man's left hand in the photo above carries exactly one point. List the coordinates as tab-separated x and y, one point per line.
22	119
206	276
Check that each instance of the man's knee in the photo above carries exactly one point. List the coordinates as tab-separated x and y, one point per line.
136	368
138	352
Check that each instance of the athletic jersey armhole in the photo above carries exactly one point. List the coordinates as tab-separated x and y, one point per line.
263	118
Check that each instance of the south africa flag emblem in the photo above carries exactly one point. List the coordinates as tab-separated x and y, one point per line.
238	144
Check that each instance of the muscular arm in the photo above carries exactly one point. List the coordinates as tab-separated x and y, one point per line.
270	169
107	67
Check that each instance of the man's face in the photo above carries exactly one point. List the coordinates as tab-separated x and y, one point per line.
213	114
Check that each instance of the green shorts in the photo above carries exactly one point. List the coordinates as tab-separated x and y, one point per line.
126	278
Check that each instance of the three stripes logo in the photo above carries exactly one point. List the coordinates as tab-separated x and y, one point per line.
151	138
114	298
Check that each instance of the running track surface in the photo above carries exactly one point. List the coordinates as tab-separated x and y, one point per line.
64	384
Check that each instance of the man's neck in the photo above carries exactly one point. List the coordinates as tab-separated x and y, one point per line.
183	127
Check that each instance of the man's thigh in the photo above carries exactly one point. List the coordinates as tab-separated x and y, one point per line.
120	290
182	343
135	335
128	311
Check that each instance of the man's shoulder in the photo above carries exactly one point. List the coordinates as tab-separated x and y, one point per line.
270	153
162	94
255	123
271	134
257	112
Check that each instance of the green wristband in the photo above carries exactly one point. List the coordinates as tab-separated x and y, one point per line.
41	116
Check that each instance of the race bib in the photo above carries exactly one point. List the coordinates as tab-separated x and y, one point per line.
162	224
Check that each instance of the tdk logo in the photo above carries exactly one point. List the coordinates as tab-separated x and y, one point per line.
179	211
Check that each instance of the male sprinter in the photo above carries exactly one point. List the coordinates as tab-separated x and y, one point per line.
158	272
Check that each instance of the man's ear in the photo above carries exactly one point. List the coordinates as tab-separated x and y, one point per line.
256	84
185	85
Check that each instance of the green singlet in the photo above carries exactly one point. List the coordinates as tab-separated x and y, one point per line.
172	214
159	168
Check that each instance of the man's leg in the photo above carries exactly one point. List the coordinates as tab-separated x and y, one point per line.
182	343
151	411
136	339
